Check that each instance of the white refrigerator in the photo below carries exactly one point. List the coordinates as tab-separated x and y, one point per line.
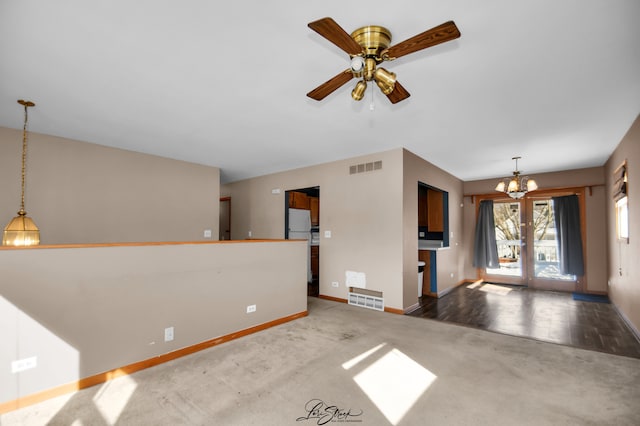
300	229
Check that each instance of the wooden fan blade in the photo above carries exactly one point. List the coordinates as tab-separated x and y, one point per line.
325	89
329	29
440	34
399	94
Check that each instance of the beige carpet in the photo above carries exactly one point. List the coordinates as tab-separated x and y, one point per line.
345	364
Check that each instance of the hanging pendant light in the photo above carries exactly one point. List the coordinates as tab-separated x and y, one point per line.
22	231
516	187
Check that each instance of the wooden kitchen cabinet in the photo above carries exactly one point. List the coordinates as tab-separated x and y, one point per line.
435	215
298	200
423	208
315	262
425	256
314	206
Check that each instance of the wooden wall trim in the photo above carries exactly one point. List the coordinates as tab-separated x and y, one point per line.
142	244
97	379
333	299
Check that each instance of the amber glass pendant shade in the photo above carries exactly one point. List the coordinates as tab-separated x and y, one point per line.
21	231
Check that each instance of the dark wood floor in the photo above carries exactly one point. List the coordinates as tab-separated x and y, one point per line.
542	315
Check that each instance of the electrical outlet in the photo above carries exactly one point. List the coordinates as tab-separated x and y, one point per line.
251	308
335	284
207	233
24	364
168	334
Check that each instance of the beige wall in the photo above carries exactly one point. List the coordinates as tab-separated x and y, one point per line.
373	218
596	252
624	268
84	311
449	261
79	192
363	212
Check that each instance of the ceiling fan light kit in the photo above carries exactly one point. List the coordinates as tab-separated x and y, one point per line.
367	48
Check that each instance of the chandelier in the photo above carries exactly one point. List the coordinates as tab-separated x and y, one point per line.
516	186
22	231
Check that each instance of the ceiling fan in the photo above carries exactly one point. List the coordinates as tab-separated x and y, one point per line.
368	47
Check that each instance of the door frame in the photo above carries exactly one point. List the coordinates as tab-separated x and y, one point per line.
528	277
580	284
507	279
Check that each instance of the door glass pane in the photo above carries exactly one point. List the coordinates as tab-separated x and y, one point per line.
508	239
545	244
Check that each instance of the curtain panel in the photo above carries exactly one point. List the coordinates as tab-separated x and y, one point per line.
485	249
568	234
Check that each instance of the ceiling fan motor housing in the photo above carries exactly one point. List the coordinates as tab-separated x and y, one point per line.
373	39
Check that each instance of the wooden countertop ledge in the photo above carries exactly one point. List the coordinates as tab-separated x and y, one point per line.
142	244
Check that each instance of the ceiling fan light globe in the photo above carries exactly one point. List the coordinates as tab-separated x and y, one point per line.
384	87
358	92
357	64
385	76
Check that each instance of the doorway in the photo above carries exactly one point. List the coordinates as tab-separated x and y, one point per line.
526	239
302	221
224	225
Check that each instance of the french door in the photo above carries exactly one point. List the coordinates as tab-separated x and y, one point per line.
509	218
527	245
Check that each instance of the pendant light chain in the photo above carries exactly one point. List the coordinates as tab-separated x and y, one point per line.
24	156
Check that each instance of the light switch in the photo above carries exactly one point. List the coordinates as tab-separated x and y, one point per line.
327	234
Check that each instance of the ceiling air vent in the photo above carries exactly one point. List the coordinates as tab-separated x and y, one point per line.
365	167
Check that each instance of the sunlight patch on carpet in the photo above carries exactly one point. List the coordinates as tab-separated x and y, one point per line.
356	360
113	397
394	383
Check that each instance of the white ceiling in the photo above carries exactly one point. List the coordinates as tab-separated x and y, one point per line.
224	83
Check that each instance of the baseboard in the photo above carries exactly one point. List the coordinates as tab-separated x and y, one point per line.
446	291
333	299
634	330
340	300
411	308
97	379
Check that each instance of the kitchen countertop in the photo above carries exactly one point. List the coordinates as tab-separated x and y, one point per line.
433	245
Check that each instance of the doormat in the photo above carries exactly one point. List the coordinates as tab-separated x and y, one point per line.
598	298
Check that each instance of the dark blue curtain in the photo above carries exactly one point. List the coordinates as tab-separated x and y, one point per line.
568	233
485	249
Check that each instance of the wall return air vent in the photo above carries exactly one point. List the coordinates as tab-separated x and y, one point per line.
365	167
366	298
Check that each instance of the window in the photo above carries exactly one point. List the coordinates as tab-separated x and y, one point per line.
620	191
622	219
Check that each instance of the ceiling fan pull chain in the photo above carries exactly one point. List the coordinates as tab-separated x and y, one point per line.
372	105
